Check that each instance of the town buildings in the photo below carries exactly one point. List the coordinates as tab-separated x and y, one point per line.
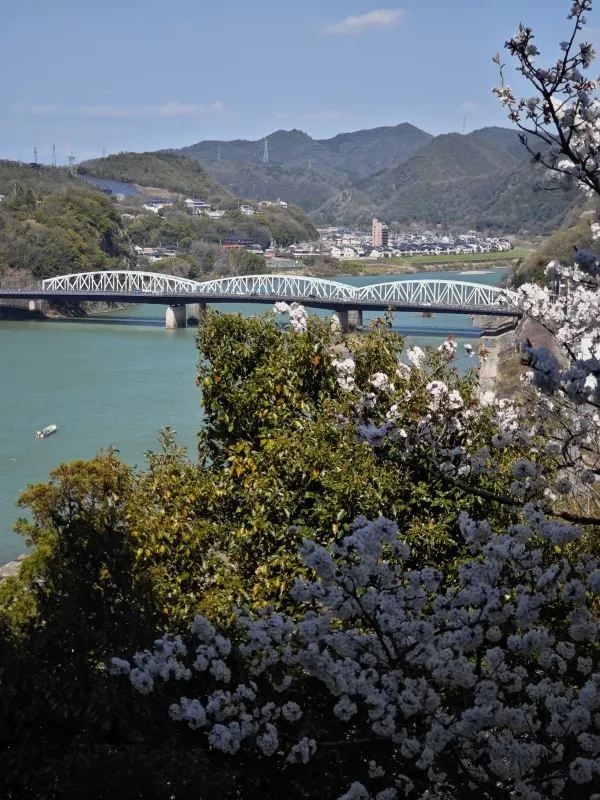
380	234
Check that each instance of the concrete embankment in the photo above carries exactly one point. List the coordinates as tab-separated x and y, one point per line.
27	309
19	309
11	568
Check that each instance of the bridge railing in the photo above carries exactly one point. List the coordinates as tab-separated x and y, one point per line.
120	281
292	286
434	292
419	293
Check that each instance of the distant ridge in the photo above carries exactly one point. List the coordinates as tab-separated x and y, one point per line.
483	179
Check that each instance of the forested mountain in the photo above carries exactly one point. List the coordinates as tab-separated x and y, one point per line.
164	170
483	179
347	154
402	174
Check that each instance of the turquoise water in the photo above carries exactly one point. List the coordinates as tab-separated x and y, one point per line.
116	380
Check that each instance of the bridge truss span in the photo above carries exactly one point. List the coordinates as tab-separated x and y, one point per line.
424	293
125	281
294	287
443	295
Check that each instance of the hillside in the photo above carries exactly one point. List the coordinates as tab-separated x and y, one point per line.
347	154
165	170
366	152
399	173
480	180
560	246
16	177
70	228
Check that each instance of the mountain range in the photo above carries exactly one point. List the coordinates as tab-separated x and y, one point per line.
484	179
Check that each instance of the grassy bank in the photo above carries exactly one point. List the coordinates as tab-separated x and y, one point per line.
388	266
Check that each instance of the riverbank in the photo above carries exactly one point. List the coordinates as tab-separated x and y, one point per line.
477	263
11	568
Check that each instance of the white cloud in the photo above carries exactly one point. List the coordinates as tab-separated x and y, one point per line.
380	19
172	108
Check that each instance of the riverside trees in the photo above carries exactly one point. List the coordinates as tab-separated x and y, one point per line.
435	636
483	681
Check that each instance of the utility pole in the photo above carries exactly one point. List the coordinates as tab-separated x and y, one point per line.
53	155
266	151
35	155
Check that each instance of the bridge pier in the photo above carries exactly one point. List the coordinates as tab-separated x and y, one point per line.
175	317
496	344
350	318
196	312
38	305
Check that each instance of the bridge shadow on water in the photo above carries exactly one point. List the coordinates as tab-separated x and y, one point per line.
143	322
158	322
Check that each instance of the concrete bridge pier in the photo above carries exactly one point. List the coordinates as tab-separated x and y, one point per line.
196	312
175	317
496	344
38	305
350	318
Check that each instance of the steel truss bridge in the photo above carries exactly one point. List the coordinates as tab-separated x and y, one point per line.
130	286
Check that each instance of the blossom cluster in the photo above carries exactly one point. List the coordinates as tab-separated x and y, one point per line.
460	680
296	313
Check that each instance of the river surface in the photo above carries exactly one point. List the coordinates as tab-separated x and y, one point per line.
117	379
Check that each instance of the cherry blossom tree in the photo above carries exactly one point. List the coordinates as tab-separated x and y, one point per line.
479	679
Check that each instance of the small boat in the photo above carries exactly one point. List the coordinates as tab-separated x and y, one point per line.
47	431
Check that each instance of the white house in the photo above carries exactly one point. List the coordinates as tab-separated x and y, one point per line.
249	211
197	206
156	205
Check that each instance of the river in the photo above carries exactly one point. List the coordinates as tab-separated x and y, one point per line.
117	379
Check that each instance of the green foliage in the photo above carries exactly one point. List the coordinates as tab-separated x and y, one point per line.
71	229
166	170
246	263
119	555
560	246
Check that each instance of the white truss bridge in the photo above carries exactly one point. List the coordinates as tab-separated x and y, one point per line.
461	296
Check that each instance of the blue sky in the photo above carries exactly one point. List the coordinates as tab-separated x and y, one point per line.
131	75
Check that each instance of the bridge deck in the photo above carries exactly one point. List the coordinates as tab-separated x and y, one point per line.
170	298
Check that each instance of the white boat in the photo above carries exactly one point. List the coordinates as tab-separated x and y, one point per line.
47	431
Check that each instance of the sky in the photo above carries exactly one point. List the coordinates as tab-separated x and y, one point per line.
103	76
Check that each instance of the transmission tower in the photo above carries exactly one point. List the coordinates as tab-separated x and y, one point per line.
53	155
464	125
266	151
35	155
104	152
72	169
